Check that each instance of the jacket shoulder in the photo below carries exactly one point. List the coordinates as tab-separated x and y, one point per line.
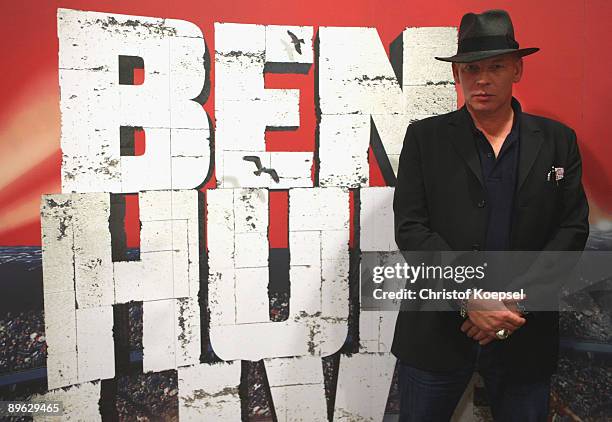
558	135
548	126
433	122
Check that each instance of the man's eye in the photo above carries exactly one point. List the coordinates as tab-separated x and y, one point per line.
471	68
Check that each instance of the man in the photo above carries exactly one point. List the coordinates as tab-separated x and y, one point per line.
479	178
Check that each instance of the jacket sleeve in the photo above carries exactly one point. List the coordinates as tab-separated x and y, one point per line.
411	216
413	235
547	273
573	228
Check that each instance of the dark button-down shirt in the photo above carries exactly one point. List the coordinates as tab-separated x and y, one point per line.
499	175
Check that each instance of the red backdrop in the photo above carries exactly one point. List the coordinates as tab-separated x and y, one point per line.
567	80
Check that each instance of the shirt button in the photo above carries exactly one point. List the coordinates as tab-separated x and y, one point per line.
489	154
482	203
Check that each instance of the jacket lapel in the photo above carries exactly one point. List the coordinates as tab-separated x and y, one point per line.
460	132
530	144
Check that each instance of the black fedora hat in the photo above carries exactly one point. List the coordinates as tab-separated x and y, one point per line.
485	35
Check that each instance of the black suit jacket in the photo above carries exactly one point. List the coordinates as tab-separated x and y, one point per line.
438	205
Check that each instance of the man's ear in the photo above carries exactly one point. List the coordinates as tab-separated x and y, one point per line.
455	73
518	69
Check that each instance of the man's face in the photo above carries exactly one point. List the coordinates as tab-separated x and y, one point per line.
487	84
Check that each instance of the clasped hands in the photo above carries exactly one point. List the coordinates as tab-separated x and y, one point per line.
487	316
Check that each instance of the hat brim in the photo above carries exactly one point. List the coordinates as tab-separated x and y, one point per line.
474	56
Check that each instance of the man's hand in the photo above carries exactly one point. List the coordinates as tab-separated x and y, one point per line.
512	305
487	316
476	333
492	315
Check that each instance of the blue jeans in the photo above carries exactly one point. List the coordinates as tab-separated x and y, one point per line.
428	396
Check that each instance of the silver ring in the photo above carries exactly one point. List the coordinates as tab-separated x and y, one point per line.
502	334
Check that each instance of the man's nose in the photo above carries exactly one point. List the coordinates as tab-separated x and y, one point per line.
483	78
